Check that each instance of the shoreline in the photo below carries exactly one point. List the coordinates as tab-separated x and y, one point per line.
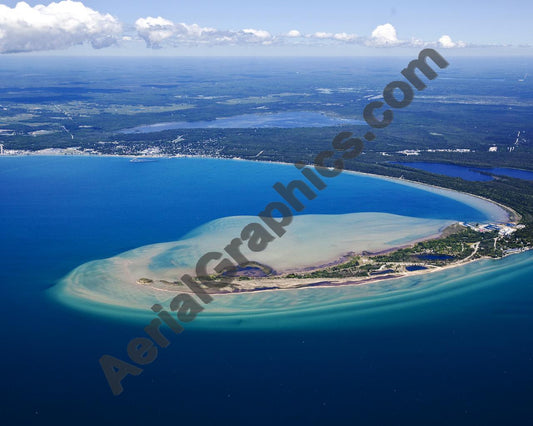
281	283
513	216
341	282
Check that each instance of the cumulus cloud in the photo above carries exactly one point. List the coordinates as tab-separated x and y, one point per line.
260	34
345	37
322	35
294	33
24	28
446	42
384	36
57	26
156	31
339	37
159	31
414	42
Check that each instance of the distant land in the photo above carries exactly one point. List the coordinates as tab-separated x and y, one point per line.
287	111
401	293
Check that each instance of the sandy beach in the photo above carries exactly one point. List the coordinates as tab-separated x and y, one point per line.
136	278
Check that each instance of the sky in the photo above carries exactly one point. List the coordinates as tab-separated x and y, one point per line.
273	28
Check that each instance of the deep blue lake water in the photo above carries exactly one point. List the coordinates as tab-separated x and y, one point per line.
447	348
469	173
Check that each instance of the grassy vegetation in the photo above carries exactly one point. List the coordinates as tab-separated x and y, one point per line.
458	246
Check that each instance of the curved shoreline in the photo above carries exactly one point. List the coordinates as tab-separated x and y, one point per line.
152	270
98	306
301	283
513	216
356	281
268	283
280	282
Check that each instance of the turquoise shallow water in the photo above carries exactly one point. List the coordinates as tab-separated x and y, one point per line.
449	347
312	239
361	306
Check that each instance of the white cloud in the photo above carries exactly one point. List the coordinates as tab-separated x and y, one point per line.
339	37
384	36
446	42
322	35
260	34
345	37
24	28
154	30
195	30
414	42
158	31
57	26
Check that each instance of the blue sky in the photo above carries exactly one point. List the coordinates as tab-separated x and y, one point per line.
236	27
476	21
